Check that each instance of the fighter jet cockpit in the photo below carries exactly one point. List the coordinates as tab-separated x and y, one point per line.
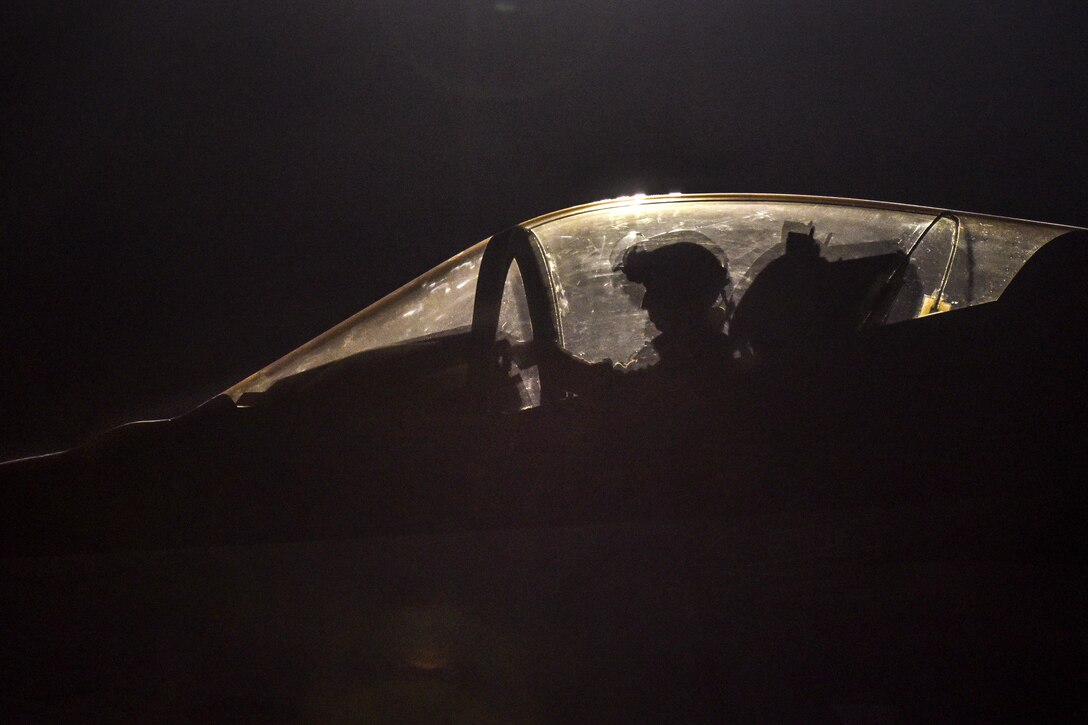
800	274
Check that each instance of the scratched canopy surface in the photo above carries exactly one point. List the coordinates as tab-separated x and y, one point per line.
956	260
436	302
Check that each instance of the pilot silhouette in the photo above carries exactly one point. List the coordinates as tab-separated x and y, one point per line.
683	283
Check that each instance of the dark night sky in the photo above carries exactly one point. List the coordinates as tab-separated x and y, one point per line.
191	189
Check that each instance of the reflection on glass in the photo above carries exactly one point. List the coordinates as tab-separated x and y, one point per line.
600	318
515	326
437	302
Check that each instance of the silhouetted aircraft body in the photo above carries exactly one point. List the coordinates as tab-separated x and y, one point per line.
871	507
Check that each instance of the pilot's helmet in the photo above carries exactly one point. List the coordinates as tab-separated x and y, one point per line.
683	259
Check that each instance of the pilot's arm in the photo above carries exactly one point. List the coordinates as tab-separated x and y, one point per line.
574	374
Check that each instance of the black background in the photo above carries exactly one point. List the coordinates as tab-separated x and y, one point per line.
192	189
